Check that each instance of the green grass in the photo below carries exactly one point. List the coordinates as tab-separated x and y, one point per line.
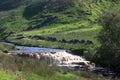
78	26
57	76
17	22
67	32
79	21
4	75
32	76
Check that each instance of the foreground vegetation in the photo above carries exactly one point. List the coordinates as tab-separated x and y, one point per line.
108	53
17	68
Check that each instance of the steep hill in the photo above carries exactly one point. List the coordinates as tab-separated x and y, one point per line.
53	23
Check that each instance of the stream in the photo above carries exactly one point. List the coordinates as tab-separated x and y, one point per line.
24	49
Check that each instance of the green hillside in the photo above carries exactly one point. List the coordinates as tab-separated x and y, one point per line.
65	24
66	21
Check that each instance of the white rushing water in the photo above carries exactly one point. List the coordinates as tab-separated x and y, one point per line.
57	57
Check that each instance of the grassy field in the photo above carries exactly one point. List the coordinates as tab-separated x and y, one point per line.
78	22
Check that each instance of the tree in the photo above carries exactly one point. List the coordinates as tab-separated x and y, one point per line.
109	52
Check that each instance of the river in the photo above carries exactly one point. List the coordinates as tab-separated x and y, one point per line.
25	49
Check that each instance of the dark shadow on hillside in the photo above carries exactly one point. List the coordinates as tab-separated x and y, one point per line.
47	6
33	9
10	4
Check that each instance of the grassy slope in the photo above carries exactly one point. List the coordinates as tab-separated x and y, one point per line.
79	26
79	21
